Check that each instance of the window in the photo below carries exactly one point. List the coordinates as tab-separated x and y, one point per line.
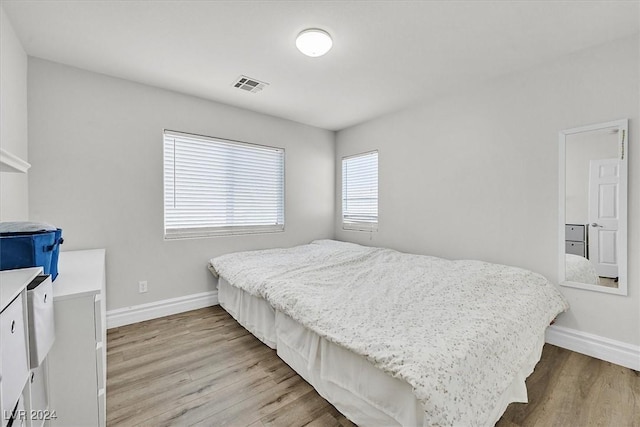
215	186
360	192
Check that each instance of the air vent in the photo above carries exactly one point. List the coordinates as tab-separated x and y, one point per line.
249	84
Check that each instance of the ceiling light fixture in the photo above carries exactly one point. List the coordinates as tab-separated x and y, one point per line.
314	42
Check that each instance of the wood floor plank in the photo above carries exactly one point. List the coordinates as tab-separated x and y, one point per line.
146	397
300	412
259	405
571	389
324	420
203	368
186	357
248	354
197	404
135	394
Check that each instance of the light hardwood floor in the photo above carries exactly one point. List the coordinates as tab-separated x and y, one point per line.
202	368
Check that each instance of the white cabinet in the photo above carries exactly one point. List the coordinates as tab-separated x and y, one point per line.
575	239
24	390
67	385
77	360
15	363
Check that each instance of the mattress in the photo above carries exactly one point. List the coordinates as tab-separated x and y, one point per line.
359	390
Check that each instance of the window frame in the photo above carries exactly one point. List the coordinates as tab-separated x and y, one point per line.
360	225
226	230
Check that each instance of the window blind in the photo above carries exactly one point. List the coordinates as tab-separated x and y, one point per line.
214	186
360	192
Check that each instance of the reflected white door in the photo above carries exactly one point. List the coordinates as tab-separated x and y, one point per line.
604	183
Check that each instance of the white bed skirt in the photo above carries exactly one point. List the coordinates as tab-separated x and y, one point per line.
363	393
254	313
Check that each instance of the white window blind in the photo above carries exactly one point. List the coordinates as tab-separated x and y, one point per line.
214	186
360	192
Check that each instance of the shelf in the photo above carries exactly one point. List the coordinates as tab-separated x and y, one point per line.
12	163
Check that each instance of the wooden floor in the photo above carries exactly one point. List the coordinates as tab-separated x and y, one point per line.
202	368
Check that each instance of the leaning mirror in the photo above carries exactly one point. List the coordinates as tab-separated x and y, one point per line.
593	207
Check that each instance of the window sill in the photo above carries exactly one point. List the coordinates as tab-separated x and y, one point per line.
360	227
219	233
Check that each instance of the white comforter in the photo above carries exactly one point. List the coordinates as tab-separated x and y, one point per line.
581	270
457	331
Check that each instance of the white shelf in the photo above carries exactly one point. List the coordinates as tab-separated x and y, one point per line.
12	163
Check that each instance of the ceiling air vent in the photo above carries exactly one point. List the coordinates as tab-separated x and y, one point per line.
249	84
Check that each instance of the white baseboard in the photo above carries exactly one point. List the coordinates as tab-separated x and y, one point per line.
153	310
613	351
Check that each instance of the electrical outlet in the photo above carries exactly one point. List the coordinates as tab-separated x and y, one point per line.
142	286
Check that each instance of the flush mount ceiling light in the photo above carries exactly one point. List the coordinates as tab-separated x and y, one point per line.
314	42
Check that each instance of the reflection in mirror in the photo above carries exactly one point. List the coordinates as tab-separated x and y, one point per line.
594	200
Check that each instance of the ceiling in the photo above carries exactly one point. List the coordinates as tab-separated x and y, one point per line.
387	55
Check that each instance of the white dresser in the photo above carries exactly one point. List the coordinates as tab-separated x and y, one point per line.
77	361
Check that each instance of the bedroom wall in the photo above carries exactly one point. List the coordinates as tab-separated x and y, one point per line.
14	201
476	175
96	150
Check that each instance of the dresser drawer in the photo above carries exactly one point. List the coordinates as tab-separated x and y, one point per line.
575	248
100	365
13	353
19	417
102	409
39	400
574	232
97	316
41	320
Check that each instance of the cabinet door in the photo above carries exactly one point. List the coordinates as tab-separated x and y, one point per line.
39	401
41	321
574	232
19	418
102	408
73	382
575	248
13	359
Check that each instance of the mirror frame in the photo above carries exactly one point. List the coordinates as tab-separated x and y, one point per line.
623	138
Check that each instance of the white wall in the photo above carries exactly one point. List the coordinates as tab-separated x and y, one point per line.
476	175
96	154
13	121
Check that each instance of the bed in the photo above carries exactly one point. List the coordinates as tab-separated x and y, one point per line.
391	338
581	270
